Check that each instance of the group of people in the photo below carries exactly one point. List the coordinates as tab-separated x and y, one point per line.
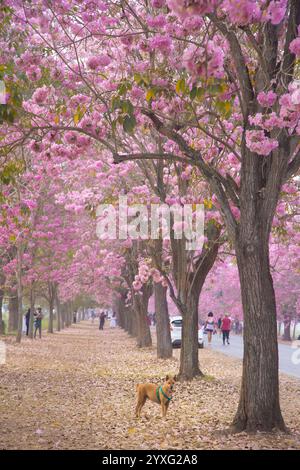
37	321
102	315
222	325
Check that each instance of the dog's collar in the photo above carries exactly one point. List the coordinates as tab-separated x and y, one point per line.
160	389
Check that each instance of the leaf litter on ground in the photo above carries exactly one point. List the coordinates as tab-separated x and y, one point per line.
76	390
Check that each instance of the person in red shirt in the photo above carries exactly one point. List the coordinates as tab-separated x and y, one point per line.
226	324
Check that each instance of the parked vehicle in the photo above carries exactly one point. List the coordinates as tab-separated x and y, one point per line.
176	332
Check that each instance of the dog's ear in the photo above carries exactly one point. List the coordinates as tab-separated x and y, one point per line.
167	377
175	378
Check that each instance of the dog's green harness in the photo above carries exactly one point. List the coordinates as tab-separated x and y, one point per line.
159	389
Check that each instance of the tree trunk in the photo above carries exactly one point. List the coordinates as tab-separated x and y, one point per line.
32	307
20	294
131	322
2	283
294	329
62	317
119	306
50	325
259	407
126	319
69	314
58	312
20	315
189	363
13	312
51	299
2	327
287	329
141	311
164	345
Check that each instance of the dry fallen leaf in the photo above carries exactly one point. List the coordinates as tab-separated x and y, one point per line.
76	390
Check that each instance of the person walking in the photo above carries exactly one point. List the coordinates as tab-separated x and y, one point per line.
226	325
102	320
38	316
209	326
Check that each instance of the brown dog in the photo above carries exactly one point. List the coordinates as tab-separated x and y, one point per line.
159	394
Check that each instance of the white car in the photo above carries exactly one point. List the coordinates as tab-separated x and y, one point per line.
176	330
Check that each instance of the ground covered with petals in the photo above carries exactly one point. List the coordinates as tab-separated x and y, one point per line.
76	390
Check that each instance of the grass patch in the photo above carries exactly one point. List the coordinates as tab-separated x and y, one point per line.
208	378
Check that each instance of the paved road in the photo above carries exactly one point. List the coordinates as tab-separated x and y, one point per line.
235	349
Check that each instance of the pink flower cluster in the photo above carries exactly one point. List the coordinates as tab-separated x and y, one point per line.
276	11
40	95
95	62
161	43
144	275
158	21
158	3
259	143
242	12
266	99
295	46
34	73
202	62
185	8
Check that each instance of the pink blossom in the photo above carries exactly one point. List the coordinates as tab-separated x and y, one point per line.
158	3
71	137
34	73
127	40
162	43
295	46
192	23
36	147
266	99
295	96
137	92
273	121
94	62
40	95
183	8
242	12
259	143
256	120
83	141
158	21
202	62
137	285
56	73
276	11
